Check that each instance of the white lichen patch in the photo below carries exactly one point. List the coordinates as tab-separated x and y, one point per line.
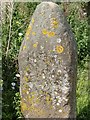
58	40
58	104
30	85
59	71
60	110
54	49
55	56
56	93
53	76
27	92
60	100
41	47
35	60
26	74
43	76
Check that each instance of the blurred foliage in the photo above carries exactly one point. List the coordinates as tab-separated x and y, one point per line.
22	12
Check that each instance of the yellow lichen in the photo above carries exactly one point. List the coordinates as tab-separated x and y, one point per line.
35	44
37	110
24	47
24	91
47	99
54	22
25	86
30	99
27	38
33	20
34	105
41	92
27	68
33	93
59	49
28	30
51	34
27	33
33	33
51	107
37	100
29	27
26	79
24	106
44	31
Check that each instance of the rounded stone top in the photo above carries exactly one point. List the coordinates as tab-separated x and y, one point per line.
52	5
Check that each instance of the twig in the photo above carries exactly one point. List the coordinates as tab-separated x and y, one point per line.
11	13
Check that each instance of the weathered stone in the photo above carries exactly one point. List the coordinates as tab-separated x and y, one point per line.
47	64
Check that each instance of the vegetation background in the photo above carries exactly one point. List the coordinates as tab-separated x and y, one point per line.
15	20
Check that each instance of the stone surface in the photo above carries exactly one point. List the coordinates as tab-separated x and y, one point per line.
47	64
